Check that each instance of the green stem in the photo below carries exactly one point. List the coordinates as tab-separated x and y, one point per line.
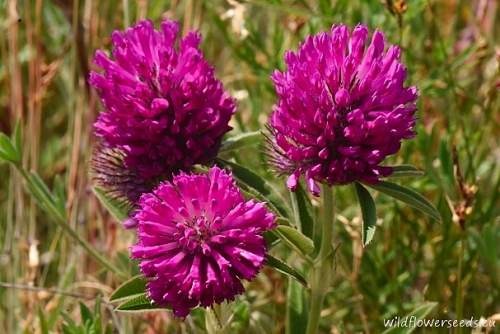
60	219
323	265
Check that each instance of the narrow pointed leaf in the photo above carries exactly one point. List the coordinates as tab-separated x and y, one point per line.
18	138
407	196
118	209
368	212
140	303
305	218
7	150
44	197
133	287
296	308
85	313
285	269
241	140
293	237
405	171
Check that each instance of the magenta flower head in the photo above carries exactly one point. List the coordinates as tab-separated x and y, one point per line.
165	110
342	108
198	238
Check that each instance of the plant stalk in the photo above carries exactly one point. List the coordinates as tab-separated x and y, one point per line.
323	264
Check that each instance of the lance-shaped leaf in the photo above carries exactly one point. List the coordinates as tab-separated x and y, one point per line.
119	209
302	211
368	212
17	139
139	303
241	140
7	150
295	239
131	288
43	196
296	308
407	196
405	171
285	269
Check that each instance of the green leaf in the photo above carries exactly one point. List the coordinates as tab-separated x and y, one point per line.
131	288
44	197
296	308
117	208
64	282
368	211
7	151
59	193
297	240
405	171
240	317
285	269
17	138
305	219
272	239
85	313
69	326
419	313
140	303
97	316
241	140
255	182
41	188
407	196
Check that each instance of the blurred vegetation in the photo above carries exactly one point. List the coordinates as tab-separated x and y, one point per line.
452	51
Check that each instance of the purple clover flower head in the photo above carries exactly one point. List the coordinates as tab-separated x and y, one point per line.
342	109
198	238
164	107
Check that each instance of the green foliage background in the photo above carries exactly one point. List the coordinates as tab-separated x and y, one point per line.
452	51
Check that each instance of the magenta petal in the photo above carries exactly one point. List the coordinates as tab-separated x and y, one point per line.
342	108
199	257
164	107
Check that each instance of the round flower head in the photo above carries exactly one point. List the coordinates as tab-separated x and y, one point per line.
165	110
198	238
342	108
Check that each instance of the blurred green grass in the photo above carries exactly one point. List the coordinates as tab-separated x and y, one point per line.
451	49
